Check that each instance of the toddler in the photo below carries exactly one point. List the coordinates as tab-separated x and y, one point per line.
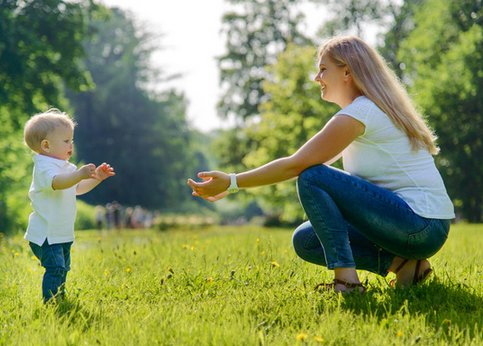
55	184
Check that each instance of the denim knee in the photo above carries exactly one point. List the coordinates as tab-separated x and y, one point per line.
307	246
304	178
306	175
299	238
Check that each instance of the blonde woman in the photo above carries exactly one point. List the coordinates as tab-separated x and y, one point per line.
388	211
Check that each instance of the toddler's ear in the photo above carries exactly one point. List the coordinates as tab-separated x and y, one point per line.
45	145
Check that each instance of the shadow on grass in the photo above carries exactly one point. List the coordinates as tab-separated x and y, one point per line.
441	304
70	312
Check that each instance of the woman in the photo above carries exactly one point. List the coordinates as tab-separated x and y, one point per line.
388	211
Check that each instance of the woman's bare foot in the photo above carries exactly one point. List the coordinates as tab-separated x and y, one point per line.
406	274
343	288
346	280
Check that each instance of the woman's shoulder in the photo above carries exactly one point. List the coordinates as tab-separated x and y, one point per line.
360	108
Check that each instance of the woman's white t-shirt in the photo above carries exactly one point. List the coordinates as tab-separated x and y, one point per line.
383	156
54	210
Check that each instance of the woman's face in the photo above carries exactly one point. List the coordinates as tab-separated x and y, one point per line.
332	80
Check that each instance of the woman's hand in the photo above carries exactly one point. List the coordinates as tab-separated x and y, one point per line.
213	187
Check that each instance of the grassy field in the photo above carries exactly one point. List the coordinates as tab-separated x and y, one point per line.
232	286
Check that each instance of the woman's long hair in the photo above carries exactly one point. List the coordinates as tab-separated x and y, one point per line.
380	84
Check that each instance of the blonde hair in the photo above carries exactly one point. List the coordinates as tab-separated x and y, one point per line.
40	125
379	83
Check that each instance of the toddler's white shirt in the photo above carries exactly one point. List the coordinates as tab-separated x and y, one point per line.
383	156
54	211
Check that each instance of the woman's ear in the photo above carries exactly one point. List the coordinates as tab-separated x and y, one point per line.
45	145
347	74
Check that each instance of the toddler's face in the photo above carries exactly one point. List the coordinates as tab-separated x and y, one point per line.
60	143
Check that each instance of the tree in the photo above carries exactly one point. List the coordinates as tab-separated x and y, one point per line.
353	14
294	113
256	34
255	37
402	23
142	134
444	55
40	45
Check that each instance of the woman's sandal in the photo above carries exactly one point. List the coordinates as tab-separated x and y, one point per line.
418	278
331	286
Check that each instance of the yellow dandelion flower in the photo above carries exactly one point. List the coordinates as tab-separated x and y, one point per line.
16	254
263	252
209	279
192	248
99	239
185	246
98	256
220	284
105	272
285	251
33	257
258	239
318	339
399	333
72	250
275	264
128	270
301	336
448	321
29	270
170	269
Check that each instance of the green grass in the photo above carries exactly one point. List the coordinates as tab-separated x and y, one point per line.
232	286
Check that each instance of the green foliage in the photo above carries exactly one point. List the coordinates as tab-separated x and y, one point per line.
402	25
444	59
40	44
85	218
294	113
353	14
143	135
257	33
232	286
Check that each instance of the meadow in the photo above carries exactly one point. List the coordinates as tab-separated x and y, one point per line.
232	286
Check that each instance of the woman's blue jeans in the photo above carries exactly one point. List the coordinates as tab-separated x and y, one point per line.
55	259
356	224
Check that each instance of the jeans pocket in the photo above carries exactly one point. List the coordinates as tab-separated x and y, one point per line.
428	241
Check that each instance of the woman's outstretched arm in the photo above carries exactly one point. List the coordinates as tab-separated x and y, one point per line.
327	144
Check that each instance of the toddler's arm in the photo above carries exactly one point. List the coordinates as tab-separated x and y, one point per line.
67	180
102	172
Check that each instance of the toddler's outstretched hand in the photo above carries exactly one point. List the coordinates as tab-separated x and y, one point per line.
104	171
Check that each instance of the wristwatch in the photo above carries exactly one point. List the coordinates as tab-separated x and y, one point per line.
233	188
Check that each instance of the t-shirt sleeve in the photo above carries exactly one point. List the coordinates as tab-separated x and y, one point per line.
359	110
44	175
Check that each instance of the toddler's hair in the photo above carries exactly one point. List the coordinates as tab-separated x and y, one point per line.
40	125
